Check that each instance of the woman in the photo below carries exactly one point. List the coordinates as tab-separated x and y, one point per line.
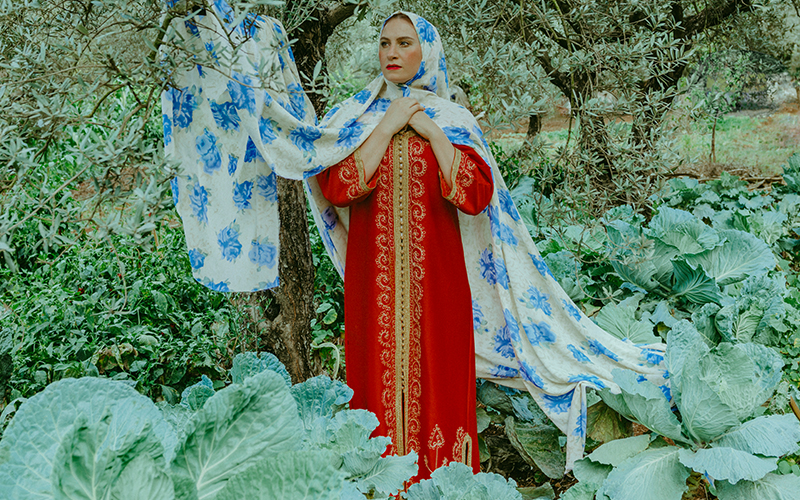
384	148
408	308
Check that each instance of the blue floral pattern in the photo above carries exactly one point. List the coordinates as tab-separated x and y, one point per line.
458	135
167	123
592	379
263	253
560	403
304	137
228	240
242	194
578	354
538	300
502	343
183	106
232	164
225	115
425	30
539	333
570	308
349	134
379	105
199	201
598	349
210	122
362	97
268	187
501	371
528	372
488	271
242	94
206	145
196	258
477	315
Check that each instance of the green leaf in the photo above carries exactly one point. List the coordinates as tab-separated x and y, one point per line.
498	487
693	284
580	491
320	397
728	464
32	438
742	255
85	467
389	474
622	323
683	231
483	420
615	452
143	479
236	427
683	342
771	436
249	363
648	404
653	474
605	424
538	445
616	402
732	373
770	487
296	475
457	482
704	414
195	396
589	472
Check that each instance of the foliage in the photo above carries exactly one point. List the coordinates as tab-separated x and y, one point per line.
606	60
259	437
719	431
111	307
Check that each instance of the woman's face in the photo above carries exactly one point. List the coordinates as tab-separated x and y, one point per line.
400	52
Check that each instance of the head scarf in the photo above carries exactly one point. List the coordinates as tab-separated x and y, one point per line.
232	136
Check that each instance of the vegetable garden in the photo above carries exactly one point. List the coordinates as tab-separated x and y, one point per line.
121	378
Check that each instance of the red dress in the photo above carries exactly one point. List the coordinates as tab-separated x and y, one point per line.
408	308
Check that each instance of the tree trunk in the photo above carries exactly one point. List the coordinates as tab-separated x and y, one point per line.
288	309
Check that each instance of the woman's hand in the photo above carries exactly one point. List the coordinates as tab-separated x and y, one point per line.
443	149
398	115
424	126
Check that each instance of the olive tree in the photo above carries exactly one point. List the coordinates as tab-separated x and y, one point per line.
608	59
80	85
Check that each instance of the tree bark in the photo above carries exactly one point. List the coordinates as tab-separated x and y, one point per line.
288	309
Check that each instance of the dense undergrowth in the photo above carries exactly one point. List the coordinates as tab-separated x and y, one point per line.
716	256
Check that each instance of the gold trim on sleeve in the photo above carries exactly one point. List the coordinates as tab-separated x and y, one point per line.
454	175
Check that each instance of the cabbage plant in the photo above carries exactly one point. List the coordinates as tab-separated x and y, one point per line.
259	438
718	428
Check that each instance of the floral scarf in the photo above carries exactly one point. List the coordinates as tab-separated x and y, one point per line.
231	136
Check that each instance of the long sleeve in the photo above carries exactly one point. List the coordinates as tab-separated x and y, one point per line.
344	183
472	182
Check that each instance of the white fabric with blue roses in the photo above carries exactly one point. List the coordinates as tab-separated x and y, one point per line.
231	136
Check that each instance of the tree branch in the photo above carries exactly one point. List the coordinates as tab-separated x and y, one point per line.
714	15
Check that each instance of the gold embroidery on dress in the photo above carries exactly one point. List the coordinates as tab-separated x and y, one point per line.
462	449
462	178
454	175
391	397
417	166
435	441
348	174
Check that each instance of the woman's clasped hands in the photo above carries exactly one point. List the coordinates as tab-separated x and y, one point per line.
408	111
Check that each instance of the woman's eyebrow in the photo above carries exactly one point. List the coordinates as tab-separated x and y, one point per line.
404	37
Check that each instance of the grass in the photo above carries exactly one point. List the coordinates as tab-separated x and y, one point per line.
754	143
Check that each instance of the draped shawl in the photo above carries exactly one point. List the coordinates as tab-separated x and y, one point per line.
232	127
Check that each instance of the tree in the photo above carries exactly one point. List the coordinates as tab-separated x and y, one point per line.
607	58
81	80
